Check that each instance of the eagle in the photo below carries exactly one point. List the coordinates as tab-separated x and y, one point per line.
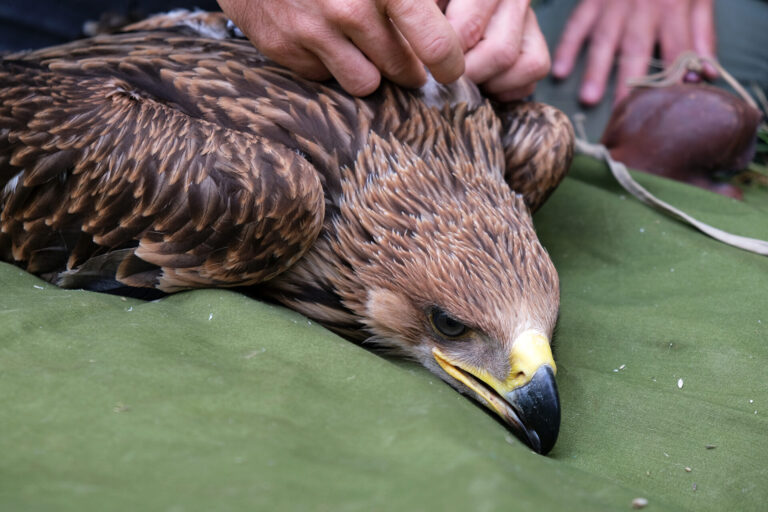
172	155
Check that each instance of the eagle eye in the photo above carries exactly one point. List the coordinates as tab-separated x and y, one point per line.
445	324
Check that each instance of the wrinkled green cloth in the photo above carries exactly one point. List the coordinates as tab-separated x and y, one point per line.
209	400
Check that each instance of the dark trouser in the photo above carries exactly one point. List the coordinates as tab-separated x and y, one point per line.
36	23
742	48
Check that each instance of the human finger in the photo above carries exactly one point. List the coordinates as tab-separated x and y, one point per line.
272	39
636	48
674	31
390	53
576	31
354	72
531	66
500	47
469	18
603	44
703	36
386	48
429	35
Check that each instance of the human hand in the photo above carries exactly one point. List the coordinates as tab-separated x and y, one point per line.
631	28
358	41
355	41
505	51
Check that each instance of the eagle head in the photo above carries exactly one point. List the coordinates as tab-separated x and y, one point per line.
443	265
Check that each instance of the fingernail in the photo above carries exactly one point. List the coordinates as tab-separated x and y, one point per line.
590	93
692	77
559	69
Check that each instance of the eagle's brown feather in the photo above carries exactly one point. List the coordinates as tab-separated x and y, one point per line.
179	146
172	157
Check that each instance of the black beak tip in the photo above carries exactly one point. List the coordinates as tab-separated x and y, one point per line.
538	407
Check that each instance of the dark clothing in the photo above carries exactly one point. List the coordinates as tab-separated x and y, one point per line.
38	23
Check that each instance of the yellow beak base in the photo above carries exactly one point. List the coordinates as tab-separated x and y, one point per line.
527	399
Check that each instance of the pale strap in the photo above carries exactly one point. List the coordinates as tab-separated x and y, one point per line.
621	174
689	61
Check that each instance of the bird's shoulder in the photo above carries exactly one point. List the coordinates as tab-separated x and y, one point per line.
100	151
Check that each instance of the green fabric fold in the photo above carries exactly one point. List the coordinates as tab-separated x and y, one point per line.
209	400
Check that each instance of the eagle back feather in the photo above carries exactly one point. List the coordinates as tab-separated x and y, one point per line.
161	158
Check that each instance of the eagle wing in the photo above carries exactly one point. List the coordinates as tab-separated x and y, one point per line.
106	184
163	159
538	148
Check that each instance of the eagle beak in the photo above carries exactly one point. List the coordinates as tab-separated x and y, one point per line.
527	399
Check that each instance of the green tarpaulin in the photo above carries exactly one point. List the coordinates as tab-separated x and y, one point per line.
209	400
